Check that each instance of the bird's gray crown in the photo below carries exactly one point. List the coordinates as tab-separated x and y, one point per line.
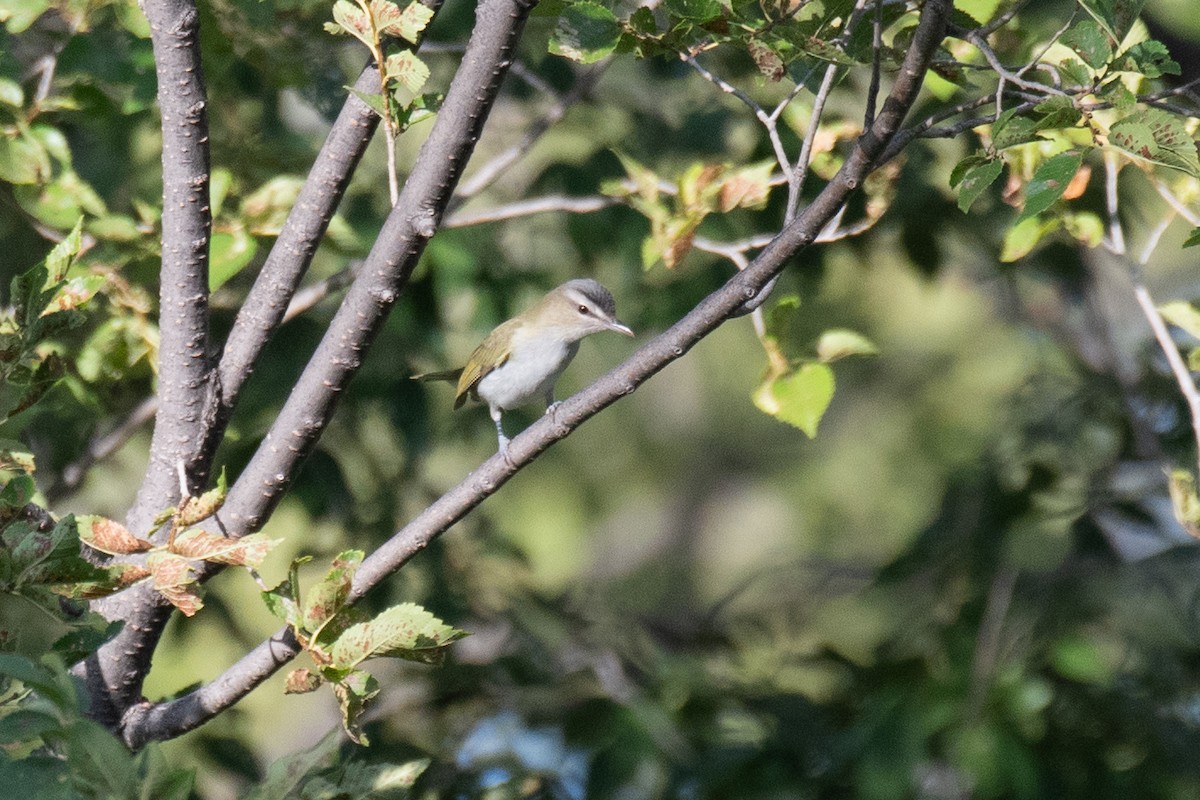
594	293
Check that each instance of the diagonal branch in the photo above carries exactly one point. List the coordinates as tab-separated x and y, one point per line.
170	719
115	680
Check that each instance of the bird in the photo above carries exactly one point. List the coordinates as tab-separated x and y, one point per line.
522	359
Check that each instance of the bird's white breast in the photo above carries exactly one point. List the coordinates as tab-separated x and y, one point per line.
534	364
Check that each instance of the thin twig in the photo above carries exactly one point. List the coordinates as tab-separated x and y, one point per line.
796	186
1116	235
101	447
525	208
876	48
489	172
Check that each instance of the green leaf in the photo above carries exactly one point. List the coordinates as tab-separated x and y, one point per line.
26	725
230	252
1115	16
23	160
586	32
694	10
798	398
1025	235
11	93
1182	315
1150	58
18	15
1081	660
839	343
49	679
975	181
353	20
17	492
1184	501
1009	130
1049	182
286	775
1090	41
159	780
1085	227
405	631
1193	238
1075	73
1057	112
97	757
372	101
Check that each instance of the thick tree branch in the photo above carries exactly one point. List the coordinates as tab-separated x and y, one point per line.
408	228
410	225
166	720
114	676
293	251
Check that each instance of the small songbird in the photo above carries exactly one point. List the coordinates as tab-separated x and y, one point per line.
521	359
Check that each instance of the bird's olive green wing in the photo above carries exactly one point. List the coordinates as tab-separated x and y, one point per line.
491	354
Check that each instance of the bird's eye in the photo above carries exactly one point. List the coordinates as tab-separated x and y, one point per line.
583	309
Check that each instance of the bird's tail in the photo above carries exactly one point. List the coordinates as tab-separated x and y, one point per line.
450	375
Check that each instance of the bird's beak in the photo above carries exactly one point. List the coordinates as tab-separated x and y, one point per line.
620	327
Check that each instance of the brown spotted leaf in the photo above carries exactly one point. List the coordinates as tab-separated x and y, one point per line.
248	551
324	599
174	578
109	536
302	681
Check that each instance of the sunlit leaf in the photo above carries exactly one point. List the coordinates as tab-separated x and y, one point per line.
799	398
231	251
1183	315
1157	136
405	631
1021	238
839	343
407	70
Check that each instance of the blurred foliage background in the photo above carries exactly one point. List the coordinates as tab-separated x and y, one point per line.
970	584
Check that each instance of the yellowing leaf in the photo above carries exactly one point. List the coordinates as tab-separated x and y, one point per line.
1182	315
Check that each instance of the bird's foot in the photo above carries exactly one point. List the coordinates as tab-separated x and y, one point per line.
504	451
552	408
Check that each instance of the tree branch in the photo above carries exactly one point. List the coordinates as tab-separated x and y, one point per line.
166	720
114	675
294	248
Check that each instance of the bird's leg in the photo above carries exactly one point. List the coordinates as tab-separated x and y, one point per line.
551	404
501	438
